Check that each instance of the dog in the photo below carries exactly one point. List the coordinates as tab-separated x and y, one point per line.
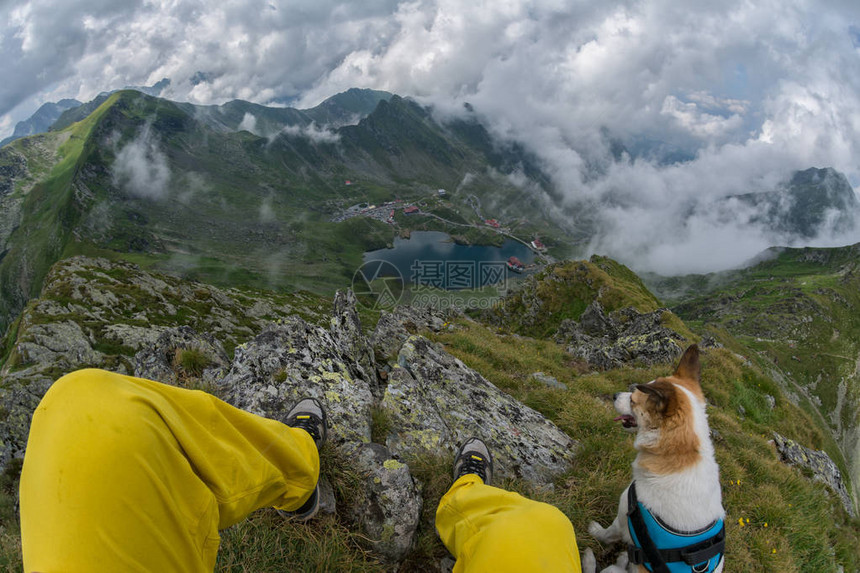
671	517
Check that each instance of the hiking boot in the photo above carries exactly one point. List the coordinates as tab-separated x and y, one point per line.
309	415
307	510
474	458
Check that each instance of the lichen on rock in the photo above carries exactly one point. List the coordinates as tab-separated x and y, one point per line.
625	336
437	402
819	463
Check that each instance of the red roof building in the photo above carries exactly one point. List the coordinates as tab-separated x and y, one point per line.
410	210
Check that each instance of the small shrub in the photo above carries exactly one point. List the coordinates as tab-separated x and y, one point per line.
191	361
380	424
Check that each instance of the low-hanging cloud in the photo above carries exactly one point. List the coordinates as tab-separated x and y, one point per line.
140	168
312	131
711	99
249	123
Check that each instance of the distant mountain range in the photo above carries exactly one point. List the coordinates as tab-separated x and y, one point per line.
244	194
42	120
811	202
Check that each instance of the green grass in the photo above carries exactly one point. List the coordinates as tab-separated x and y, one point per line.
807	526
191	361
565	290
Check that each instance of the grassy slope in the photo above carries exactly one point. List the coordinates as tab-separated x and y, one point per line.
49	214
799	313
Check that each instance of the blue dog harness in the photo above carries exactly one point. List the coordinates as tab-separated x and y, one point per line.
661	549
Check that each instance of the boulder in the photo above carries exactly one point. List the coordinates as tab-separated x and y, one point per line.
436	402
822	467
391	509
548	380
294	359
396	326
623	337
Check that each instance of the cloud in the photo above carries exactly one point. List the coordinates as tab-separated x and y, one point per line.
140	168
249	123
267	212
712	99
312	131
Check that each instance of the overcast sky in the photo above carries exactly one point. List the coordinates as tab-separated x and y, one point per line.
749	89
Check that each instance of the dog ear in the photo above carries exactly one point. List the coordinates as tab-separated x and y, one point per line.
656	393
689	367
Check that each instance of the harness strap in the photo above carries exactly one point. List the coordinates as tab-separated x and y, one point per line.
657	558
634	514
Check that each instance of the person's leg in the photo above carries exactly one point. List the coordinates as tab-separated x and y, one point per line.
128	474
489	529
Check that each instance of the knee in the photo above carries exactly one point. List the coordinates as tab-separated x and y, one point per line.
549	518
88	390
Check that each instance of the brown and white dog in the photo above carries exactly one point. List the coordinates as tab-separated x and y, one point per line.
675	474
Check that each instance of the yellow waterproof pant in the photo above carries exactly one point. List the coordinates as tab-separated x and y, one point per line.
488	529
126	474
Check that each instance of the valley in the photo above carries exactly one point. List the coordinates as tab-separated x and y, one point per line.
141	223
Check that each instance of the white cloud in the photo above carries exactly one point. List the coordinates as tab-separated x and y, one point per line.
249	123
314	132
744	92
140	168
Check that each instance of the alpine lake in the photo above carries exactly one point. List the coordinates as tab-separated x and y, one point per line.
429	268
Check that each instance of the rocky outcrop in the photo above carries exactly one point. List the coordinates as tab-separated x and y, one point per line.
391	508
115	316
294	359
100	313
436	402
625	336
819	463
433	402
393	328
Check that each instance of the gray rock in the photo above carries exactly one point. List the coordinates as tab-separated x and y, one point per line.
395	327
709	341
436	402
58	343
18	402
391	510
294	359
822	467
771	401
328	501
594	322
550	381
623	337
162	361
346	331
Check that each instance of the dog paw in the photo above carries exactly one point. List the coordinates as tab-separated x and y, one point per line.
622	560
588	562
596	530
